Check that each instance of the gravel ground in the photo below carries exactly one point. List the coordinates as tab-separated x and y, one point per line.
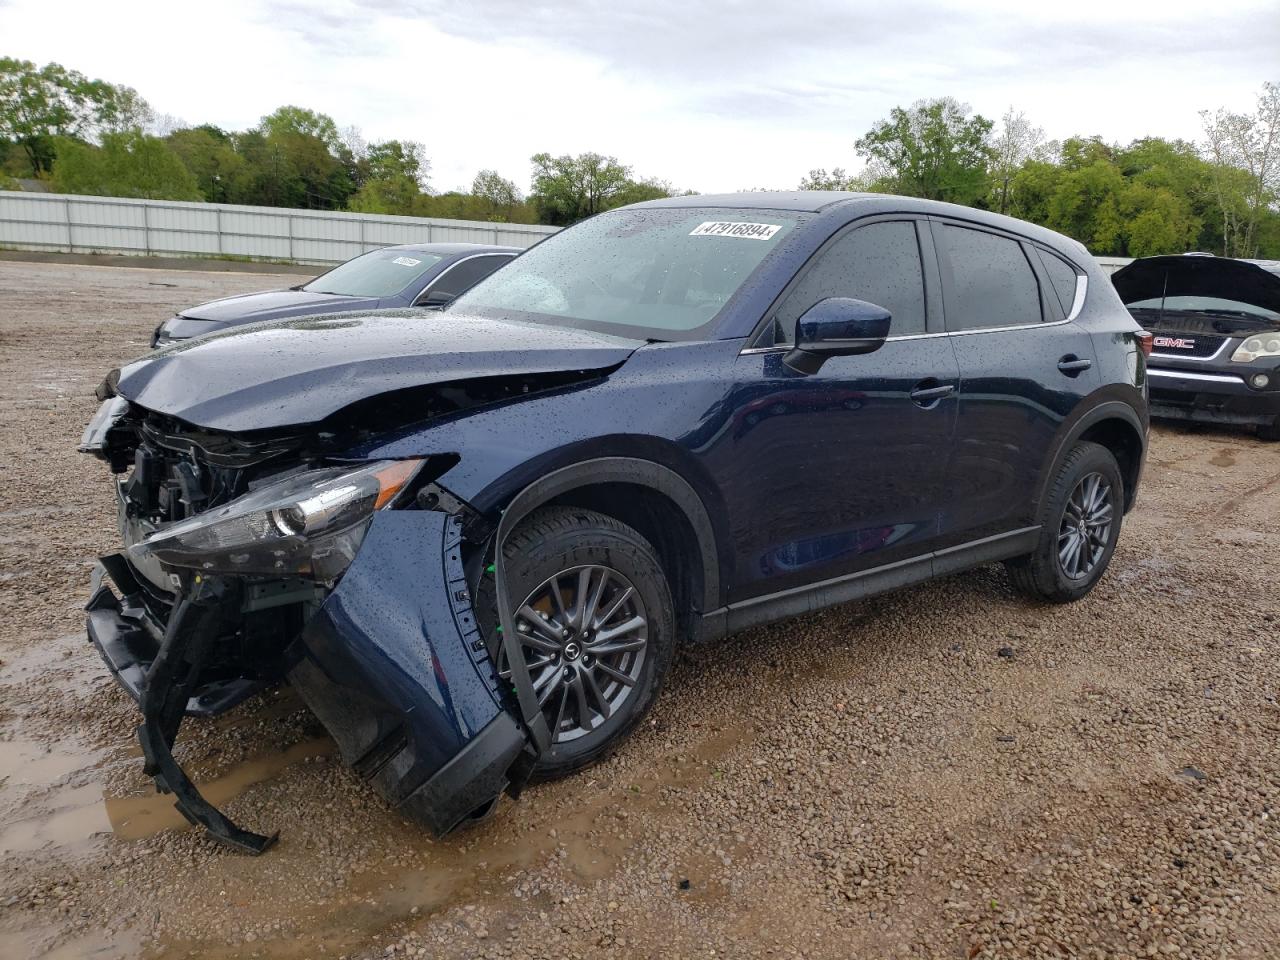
947	772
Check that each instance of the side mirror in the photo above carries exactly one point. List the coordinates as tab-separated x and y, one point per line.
836	327
433	298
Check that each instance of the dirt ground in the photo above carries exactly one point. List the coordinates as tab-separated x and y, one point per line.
946	772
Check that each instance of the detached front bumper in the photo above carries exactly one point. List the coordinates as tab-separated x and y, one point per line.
395	667
392	663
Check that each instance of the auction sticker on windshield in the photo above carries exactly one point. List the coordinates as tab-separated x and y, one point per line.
729	228
406	261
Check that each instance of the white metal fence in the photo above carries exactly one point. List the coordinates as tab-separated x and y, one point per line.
76	224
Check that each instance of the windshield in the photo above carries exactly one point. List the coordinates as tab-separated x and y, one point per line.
382	273
662	273
1204	305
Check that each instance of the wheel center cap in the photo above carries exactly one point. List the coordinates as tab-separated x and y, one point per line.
571	650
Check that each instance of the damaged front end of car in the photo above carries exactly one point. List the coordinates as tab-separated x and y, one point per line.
255	557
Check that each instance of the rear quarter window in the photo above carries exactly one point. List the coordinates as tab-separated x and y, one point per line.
1063	279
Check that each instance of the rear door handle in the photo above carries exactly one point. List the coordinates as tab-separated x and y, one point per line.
928	392
1073	366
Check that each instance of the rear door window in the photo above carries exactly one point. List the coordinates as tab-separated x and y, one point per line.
992	282
879	263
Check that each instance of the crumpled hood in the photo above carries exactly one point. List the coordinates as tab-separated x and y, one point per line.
297	372
1196	276
274	304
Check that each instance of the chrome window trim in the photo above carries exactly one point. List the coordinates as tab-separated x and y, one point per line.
1189	375
1077	305
447	270
1183	356
925	336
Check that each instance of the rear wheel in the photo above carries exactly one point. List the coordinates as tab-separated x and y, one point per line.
1079	526
593	611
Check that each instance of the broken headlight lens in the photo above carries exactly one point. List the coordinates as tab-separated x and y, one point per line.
1259	345
309	525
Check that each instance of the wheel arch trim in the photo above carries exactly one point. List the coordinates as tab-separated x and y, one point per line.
1113	410
638	472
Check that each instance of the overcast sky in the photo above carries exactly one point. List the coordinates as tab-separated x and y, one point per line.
712	95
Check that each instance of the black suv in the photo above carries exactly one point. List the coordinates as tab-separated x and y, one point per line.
472	539
1216	326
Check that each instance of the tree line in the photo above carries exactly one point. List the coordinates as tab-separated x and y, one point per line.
88	136
1153	195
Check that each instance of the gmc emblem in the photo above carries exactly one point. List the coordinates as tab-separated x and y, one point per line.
1175	343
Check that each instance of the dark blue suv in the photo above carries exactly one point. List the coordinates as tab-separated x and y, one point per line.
473	539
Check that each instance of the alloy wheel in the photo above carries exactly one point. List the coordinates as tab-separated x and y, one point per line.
583	634
1086	526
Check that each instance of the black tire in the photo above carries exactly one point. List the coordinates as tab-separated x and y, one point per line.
1043	574
557	542
1271	431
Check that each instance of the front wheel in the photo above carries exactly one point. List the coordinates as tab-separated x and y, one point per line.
1270	431
1079	527
594	614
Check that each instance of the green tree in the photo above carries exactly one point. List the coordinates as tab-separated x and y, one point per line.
127	164
392	177
269	177
638	191
1248	144
210	155
1176	166
308	161
398	158
394	194
500	196
1018	142
568	189
1085	202
40	105
1156	221
291	120
933	150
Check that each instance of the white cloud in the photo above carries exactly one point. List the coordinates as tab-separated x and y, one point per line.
713	96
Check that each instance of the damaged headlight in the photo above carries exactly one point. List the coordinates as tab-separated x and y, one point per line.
309	525
1262	345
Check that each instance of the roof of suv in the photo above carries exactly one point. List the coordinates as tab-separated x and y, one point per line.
816	201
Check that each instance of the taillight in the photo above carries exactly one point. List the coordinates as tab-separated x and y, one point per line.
1144	342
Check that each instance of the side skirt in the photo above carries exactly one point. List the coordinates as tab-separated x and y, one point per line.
865	583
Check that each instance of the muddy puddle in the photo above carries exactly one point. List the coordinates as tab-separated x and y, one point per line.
57	800
591	831
72	815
